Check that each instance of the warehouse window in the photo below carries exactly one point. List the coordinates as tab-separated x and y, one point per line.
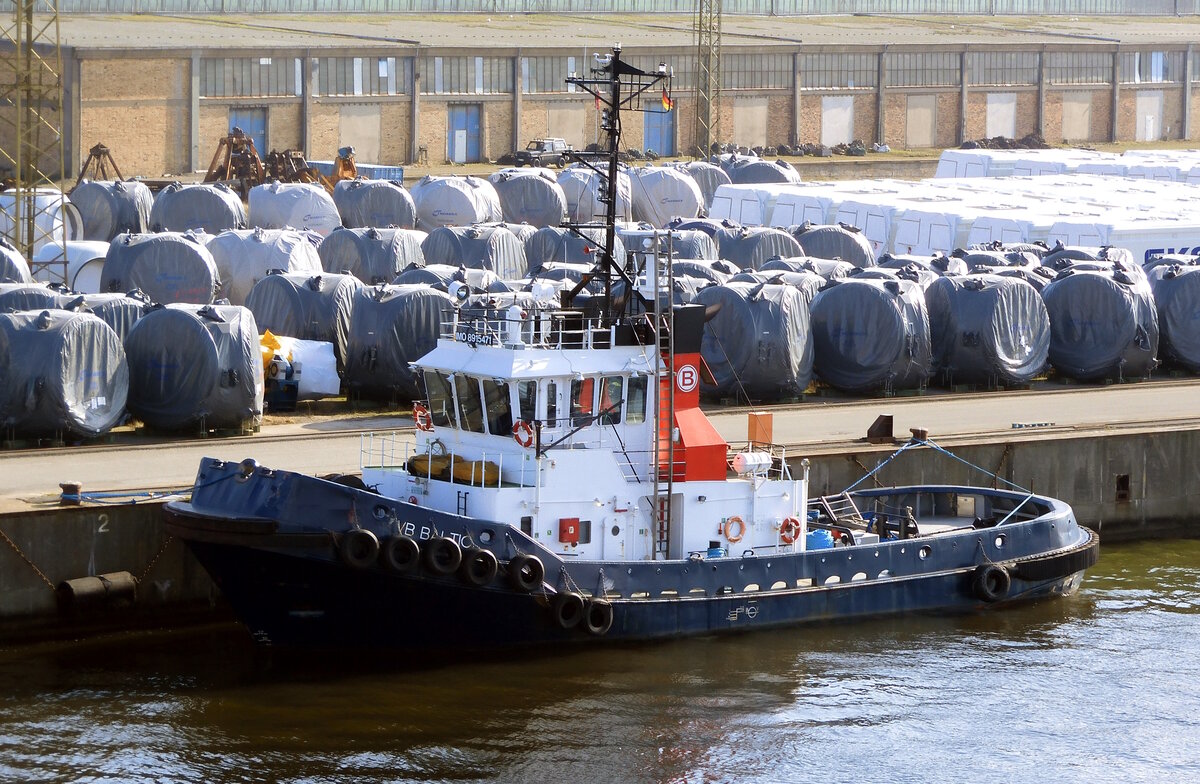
923	69
1078	68
757	71
1002	68
466	75
250	77
362	75
547	74
682	67
834	71
1151	67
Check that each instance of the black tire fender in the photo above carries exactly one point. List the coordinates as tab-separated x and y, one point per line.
479	566
991	582
358	548
568	608
526	572
442	555
400	554
599	617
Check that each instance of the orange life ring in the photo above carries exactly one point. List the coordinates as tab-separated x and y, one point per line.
422	417
727	529
789	531
523	433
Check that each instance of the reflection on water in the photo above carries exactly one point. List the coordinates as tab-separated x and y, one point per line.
1102	686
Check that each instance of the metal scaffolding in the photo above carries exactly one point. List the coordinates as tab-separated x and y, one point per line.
31	143
707	29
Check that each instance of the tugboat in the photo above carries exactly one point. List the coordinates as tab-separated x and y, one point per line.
564	486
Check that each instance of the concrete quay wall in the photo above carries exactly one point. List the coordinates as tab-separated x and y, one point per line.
1127	484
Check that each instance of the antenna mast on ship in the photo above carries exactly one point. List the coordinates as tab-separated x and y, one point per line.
616	86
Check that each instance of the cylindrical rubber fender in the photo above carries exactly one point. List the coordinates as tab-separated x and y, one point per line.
527	572
358	548
569	609
599	617
442	555
991	582
401	554
479	566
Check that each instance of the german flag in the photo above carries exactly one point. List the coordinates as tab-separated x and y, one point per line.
667	103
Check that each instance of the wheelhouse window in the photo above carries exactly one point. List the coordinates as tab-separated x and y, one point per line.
552	403
498	405
583	394
441	401
611	389
635	402
527	399
470	405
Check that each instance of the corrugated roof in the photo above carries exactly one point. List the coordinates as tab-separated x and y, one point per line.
512	31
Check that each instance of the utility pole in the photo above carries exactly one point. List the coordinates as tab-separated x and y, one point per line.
31	119
707	29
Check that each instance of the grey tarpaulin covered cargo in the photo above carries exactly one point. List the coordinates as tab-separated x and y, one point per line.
710	226
1169	259
210	207
987	329
110	208
809	283
685	243
13	267
308	307
372	255
530	196
661	193
440	276
994	259
683	290
583	189
1177	297
455	201
712	271
750	247
522	231
1038	249
391	327
917	274
871	335
728	161
492	248
760	171
1037	277
168	267
118	311
553	244
1102	325
758	345
708	176
572	274
363	203
60	372
195	366
1062	256
245	256
829	269
293	205
834	241
941	264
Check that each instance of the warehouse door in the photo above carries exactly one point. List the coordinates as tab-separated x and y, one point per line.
921	121
462	135
1001	115
254	123
837	120
659	129
1077	116
1149	115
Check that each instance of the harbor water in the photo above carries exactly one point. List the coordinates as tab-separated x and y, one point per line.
1102	686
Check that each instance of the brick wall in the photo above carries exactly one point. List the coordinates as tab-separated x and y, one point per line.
1172	120
1102	109
976	115
395	132
1027	113
496	135
946	119
779	119
895	113
324	129
431	129
809	131
141	110
1053	116
865	121
283	128
1127	117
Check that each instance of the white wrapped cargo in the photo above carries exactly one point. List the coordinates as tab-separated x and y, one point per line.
583	189
661	193
363	203
57	220
293	205
314	365
245	256
455	201
530	195
208	207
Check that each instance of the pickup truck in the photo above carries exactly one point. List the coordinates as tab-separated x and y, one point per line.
544	152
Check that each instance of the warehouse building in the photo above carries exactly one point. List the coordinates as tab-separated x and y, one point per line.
161	90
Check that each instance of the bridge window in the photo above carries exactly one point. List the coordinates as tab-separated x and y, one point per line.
470	406
441	402
635	402
552	403
583	399
499	407
527	399
610	400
